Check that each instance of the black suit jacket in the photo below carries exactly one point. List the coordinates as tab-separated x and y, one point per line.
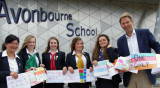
59	61
23	54
5	70
71	60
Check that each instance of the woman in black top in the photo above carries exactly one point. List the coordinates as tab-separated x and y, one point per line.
10	63
31	59
53	59
104	51
77	59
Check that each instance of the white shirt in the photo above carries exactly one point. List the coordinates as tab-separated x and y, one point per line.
132	43
52	53
83	58
36	56
12	62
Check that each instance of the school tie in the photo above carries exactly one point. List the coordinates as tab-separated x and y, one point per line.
80	64
53	66
31	62
100	56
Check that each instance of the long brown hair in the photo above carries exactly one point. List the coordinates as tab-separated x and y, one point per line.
97	48
26	40
74	41
48	45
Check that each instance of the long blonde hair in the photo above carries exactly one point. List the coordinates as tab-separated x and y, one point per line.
27	39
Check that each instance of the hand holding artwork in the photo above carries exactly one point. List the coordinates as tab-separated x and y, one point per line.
42	65
71	70
32	68
14	75
90	69
64	70
124	70
95	63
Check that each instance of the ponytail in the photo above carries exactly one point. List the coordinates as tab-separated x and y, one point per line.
3	47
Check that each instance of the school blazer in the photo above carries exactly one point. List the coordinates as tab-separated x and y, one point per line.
5	70
71	60
59	60
23	54
146	41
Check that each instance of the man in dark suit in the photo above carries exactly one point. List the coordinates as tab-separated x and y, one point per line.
132	42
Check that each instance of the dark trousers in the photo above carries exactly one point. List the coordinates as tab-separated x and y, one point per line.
53	85
105	83
78	85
